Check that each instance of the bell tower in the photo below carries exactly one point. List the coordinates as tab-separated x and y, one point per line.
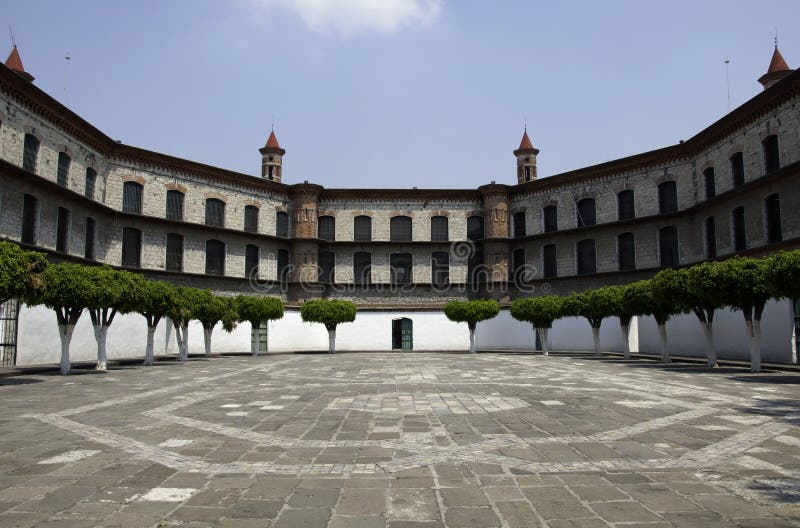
526	159
271	159
778	69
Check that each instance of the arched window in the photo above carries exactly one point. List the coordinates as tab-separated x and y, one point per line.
587	257
89	183
626	208
710	227
400	267
62	173
737	169
587	212
251	261
327	267
131	247
667	197
772	206
63	221
326	226
215	212
475	227
626	252
174	205
30	153
400	229
362	264
439	229
251	218
215	257
550	218
772	157
30	220
738	228
89	239
362	228
711	183
283	266
519	224
282	224
132	197
668	246
549	261
440	268
174	261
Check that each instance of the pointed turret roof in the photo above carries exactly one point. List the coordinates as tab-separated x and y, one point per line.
272	146
525	144
272	142
777	63
14	62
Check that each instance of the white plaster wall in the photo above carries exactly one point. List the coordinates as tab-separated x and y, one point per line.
686	336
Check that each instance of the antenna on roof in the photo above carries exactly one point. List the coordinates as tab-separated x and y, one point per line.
13	40
525	126
273	122
776	35
728	81
67	58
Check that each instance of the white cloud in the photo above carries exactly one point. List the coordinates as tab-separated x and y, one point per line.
351	17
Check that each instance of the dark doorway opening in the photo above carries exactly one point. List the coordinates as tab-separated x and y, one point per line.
402	334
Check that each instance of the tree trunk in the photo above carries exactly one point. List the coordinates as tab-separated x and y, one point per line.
207	340
755	359
626	341
100	333
256	332
185	353
65	333
543	338
148	352
332	341
711	352
596	339
472	347
662	333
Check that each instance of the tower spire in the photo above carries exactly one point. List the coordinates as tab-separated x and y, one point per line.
778	68
14	62
271	157
526	157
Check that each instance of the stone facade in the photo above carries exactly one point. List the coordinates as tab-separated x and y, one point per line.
24	109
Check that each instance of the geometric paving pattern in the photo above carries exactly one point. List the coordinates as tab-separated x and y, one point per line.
388	439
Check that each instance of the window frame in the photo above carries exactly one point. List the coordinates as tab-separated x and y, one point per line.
175	201
131	203
63	229
668	197
774	230
173	257
210	268
210	221
583	267
663	255
326	228
250	219
401	229
626	251
590	213
62	169
134	261
362	228
440	228
626	207
547	226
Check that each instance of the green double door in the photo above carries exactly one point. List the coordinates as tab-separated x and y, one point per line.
402	334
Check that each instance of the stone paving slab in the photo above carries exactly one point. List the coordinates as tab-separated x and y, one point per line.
401	440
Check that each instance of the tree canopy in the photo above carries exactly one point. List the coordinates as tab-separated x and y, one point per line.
329	312
20	271
594	305
471	312
745	285
539	311
782	274
256	310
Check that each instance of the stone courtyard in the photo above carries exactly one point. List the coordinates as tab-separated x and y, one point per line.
367	440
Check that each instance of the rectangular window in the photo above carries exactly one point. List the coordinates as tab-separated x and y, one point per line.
400	229
131	247
517	266
587	212
30	220
550	218
362	228
62	173
626	248
251	261
440	268
174	253
215	257
475	227
519	224
711	183
625	205
362	263
772	158
132	197
282	224
711	237
439	229
326	226
400	264
550	264
739	229
475	269
91	236
668	246
174	205
251	218
215	212
587	257
773	213
89	184
30	153
737	169
62	229
327	267
667	197
283	265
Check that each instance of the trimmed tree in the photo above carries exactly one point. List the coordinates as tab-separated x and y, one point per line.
745	289
620	309
704	296
594	305
210	309
67	290
540	312
256	310
330	312
111	293
153	300
20	272
782	276
471	312
180	313
660	297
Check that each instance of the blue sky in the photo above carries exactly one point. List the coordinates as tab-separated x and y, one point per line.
400	93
